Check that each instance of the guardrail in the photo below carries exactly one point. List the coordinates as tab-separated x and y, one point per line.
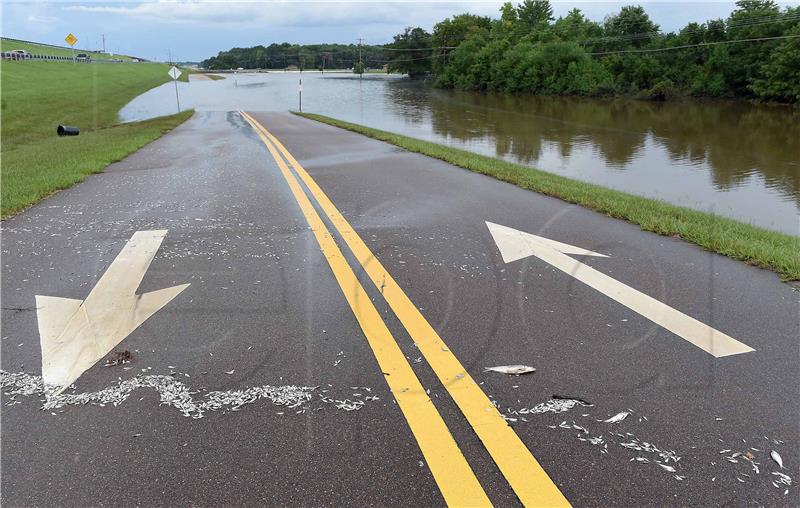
18	57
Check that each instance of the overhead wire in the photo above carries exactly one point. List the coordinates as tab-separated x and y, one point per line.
713	43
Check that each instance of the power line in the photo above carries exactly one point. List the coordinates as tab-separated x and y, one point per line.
655	50
642	35
384	48
552	28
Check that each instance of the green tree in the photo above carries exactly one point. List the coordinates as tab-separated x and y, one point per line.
414	57
452	32
632	26
531	14
508	17
780	75
576	27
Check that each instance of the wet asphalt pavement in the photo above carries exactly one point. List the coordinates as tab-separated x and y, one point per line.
263	308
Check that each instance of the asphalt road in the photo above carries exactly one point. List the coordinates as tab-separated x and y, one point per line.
266	306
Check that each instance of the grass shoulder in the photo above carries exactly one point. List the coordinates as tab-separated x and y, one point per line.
756	246
34	171
38	96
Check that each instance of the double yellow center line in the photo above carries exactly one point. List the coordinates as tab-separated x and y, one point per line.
449	467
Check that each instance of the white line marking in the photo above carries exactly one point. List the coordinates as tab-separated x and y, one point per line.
74	334
514	245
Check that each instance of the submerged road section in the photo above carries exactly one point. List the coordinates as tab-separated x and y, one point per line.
261	309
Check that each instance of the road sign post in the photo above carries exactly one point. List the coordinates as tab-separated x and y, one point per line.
175	73
71	40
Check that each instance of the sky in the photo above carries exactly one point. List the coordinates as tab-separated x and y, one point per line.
193	30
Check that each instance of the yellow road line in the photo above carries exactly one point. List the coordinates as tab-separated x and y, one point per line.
453	475
526	476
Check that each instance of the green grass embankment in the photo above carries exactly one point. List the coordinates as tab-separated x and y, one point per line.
38	96
756	246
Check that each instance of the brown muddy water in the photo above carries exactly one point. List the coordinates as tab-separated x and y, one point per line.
733	159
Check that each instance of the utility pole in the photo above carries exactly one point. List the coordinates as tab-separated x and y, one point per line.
360	63
104	42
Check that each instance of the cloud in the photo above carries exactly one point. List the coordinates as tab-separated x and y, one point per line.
32	18
274	13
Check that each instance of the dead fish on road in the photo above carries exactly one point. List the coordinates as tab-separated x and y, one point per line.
515	370
777	458
617	417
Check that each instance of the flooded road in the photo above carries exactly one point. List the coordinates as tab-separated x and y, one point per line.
734	159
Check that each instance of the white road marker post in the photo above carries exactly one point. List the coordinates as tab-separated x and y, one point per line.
175	73
514	245
74	334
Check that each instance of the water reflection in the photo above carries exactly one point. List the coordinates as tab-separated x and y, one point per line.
732	140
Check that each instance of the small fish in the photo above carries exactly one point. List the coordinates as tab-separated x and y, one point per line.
777	458
617	417
515	370
230	372
667	468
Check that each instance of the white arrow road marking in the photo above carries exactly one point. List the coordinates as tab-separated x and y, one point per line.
514	245
74	334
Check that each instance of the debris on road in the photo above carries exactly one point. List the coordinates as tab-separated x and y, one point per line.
617	417
514	370
172	393
777	458
783	479
581	401
554	405
339	357
119	358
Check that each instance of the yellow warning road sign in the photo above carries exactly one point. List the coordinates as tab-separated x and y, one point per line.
71	39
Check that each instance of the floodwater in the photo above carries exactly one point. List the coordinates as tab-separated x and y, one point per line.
730	158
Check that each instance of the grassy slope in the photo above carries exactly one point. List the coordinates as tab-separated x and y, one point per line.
760	247
36	49
37	96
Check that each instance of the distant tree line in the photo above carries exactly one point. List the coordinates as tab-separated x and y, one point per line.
306	57
527	50
753	53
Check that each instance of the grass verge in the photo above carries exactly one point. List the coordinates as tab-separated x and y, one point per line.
33	172
37	96
756	246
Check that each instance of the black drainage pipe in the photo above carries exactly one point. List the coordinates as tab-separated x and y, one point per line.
67	130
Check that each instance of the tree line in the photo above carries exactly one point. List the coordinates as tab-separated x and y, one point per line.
753	53
305	57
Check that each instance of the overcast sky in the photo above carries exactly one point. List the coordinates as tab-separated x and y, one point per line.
197	29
